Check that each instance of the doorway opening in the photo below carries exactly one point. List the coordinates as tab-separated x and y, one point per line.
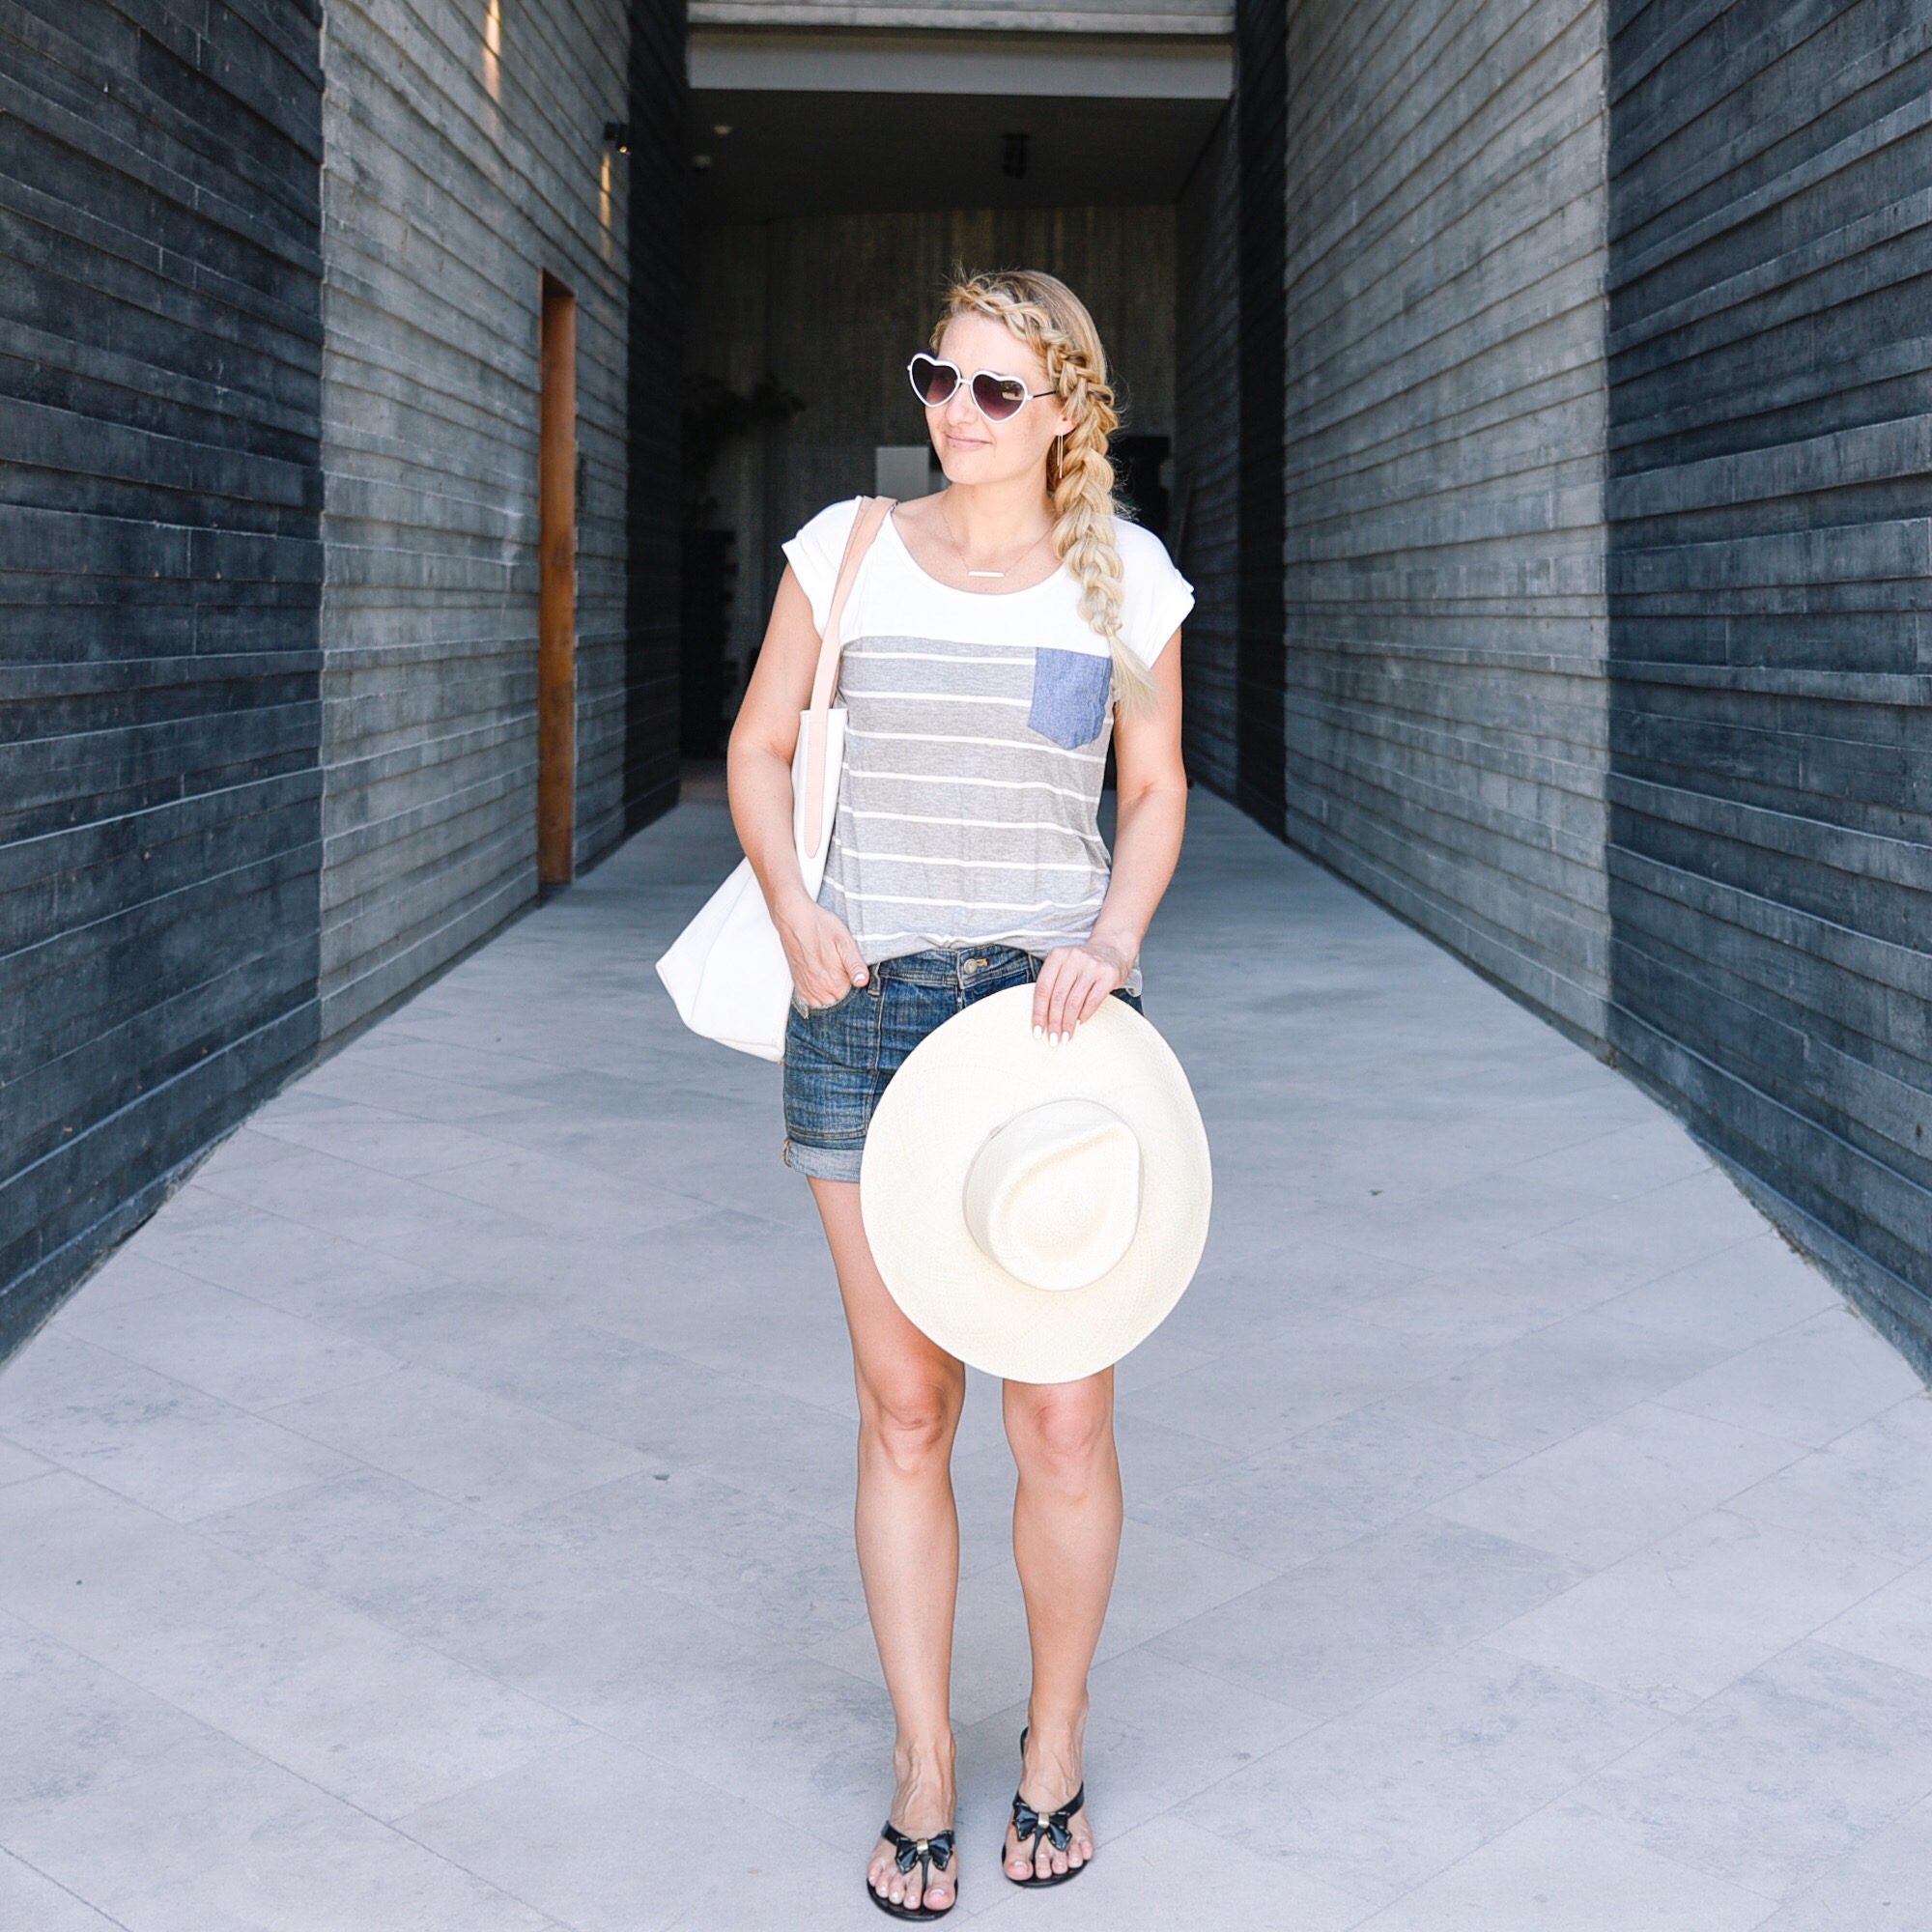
556	586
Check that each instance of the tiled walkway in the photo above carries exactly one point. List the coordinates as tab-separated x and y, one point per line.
438	1516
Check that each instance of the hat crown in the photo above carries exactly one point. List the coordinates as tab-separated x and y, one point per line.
1053	1196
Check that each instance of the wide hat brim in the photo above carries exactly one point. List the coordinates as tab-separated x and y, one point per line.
968	1078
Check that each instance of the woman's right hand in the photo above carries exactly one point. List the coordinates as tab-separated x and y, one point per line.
822	953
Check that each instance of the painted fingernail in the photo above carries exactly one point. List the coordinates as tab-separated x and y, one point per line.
1040	1033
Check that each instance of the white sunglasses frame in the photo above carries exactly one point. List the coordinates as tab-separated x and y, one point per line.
963	380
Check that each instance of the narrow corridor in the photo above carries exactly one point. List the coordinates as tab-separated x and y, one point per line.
437	1516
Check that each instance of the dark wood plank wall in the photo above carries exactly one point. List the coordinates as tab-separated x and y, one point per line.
660	167
1446	699
1771	606
159	490
1261	335
456	174
1206	455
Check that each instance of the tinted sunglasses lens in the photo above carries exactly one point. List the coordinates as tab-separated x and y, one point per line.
999	396
933	382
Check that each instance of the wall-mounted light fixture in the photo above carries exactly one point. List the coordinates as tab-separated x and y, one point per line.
617	134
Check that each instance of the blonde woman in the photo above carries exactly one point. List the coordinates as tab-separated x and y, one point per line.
996	634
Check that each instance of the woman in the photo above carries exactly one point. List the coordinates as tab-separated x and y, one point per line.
993	635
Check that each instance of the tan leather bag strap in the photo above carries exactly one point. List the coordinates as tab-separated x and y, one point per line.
865	526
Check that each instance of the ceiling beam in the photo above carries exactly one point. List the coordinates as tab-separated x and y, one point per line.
1063	67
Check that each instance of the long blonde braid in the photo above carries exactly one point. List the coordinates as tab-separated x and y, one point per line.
1044	313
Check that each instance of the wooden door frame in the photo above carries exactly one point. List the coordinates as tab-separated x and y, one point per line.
556	585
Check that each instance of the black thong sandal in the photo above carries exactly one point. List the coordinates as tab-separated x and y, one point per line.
927	1853
1053	1826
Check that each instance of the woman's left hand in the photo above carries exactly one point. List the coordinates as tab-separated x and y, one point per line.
1072	983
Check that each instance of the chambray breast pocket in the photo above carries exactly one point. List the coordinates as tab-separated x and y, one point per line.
1069	696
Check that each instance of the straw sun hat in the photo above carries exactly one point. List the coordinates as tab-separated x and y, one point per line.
1036	1211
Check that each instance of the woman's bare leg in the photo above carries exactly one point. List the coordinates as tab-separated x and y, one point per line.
1067	1540
910	1393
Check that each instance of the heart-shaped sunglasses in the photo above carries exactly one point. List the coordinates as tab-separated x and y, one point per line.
998	398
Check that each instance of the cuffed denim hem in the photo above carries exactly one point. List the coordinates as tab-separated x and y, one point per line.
823	1163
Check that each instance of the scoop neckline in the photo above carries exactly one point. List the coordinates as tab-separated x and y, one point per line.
959	590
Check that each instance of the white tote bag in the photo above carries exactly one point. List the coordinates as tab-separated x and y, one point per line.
728	971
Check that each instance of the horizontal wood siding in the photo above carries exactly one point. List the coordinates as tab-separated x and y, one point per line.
1206	455
1260	347
660	166
159	490
455	173
1770	605
1446	699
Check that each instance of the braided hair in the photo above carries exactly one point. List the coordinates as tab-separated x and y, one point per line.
1045	314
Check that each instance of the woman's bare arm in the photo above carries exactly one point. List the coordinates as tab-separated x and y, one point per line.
824	956
1152	793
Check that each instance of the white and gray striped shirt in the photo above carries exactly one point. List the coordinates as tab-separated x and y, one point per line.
976	740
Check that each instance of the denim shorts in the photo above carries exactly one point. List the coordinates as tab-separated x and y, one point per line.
837	1059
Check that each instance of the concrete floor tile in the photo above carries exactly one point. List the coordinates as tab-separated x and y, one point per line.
1781	1777
1562	1871
285	1264
70	1727
1811	1382
1692	1218
146	1437
328	1694
1738	1296
128	1275
1168	1874
1880	1887
17	1465
1486	1304
459	1441
381	1210
1560	1378
1339	1628
1380	1800
1264	1394
248	1146
760	1568
212	1836
783	1730
233	1349
30	1902
1612	1490
1872	1484
1324	1487
1891	1626
475	1587
1626	1162
607	1839
563	1197
383	1140
1676	1623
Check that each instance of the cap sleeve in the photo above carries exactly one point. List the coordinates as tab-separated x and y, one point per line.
1157	598
815	553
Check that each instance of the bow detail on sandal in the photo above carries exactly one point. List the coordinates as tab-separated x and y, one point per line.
933	1853
1056	1827
1053	1826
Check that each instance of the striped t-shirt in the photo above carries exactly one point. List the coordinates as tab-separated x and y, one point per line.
976	740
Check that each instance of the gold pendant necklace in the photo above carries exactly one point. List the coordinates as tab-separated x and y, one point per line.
968	568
